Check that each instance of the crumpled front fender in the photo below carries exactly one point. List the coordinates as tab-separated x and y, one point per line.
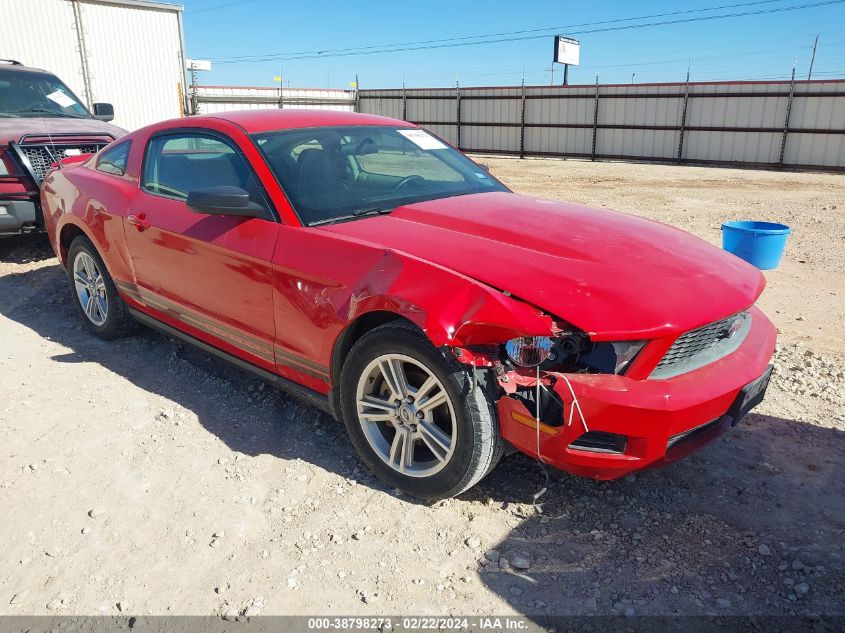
450	308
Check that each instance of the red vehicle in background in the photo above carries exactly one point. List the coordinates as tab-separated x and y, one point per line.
41	122
367	266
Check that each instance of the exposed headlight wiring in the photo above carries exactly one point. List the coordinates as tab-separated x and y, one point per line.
573	407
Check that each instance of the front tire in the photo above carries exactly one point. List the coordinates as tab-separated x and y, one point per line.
415	417
94	294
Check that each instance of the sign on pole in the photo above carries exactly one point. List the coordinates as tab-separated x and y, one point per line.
567	51
198	64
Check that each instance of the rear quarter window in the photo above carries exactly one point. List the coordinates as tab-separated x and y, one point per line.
113	160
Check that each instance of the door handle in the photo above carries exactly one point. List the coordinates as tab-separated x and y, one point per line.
140	222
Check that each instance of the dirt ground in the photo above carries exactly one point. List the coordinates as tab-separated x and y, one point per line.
141	477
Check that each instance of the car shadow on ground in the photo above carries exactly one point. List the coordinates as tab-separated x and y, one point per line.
725	524
24	249
751	524
248	416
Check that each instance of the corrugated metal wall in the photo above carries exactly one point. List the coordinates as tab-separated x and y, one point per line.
132	51
210	99
135	60
720	122
48	42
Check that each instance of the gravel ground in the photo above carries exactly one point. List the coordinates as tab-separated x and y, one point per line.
142	477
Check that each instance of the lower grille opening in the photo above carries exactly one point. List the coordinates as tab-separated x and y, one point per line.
601	442
692	433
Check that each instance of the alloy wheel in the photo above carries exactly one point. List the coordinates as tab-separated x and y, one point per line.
90	288
406	415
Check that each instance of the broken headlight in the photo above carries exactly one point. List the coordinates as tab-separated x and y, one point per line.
607	357
529	351
573	352
626	352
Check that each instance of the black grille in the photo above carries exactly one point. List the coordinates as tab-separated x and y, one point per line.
40	157
600	442
704	345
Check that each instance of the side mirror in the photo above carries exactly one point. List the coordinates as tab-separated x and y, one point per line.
484	166
223	200
103	111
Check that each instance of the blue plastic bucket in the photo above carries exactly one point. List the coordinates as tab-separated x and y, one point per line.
758	243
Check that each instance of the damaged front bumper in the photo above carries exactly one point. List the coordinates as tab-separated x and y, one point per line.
634	424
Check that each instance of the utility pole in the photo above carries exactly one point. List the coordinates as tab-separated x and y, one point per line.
357	95
813	59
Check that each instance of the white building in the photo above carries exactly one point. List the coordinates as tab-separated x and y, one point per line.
129	53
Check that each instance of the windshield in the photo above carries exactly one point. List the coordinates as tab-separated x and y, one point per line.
30	94
338	173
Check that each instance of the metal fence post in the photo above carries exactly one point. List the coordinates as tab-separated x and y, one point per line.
595	120
786	122
522	123
457	115
682	130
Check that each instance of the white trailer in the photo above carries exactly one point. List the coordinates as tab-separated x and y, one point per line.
129	53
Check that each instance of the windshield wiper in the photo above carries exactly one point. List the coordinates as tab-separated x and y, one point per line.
371	211
358	213
49	113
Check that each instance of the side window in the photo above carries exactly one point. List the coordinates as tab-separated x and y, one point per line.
176	164
113	160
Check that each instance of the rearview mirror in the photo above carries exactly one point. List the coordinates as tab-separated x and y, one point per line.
484	166
367	146
223	200
103	111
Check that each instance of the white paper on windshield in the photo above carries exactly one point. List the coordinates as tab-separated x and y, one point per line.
422	139
61	98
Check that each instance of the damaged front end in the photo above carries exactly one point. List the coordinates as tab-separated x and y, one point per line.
534	376
591	408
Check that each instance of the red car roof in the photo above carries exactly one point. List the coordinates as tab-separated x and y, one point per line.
269	120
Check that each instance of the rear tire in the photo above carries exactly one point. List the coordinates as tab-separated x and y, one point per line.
95	296
416	418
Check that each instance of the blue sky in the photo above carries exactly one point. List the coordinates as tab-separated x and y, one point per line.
750	47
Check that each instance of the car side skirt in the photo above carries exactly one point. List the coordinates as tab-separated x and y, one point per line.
322	402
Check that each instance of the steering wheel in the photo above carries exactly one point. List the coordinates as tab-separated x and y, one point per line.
408	180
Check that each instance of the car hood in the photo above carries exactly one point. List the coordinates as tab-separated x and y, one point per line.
611	274
13	128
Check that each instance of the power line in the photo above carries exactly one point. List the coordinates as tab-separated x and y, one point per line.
696	62
316	55
224	5
488	35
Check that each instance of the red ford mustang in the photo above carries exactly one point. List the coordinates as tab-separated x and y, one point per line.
365	265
